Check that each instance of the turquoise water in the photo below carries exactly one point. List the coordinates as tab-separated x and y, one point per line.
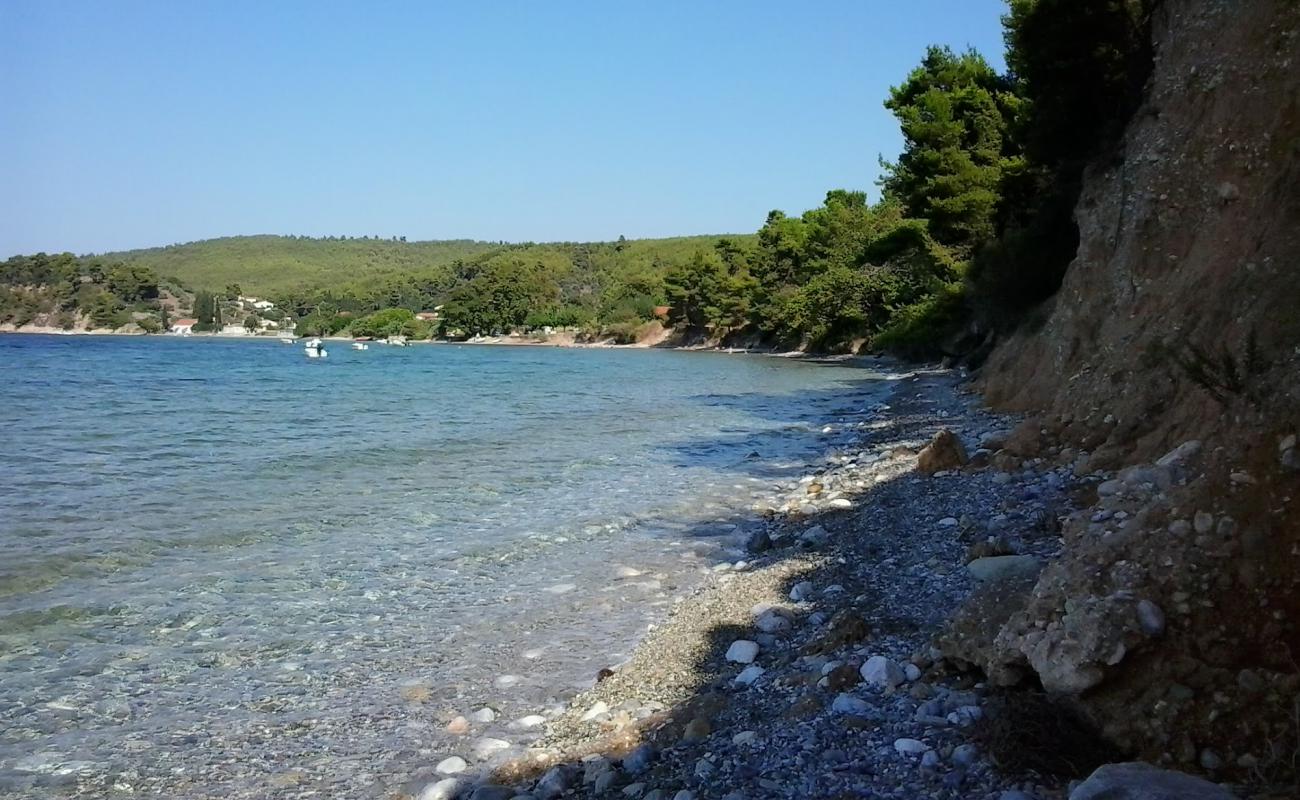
204	540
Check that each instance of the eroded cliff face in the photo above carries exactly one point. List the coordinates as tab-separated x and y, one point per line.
1173	616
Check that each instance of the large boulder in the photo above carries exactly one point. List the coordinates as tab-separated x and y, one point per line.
1136	780
945	451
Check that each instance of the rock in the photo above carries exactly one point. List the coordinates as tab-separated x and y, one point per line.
759	542
1290	459
1179	454
850	704
1136	780
883	672
684	794
696	730
1000	568
458	726
929	760
814	538
772	621
944	452
912	672
486	747
593	768
1209	760
604	782
742	651
948	522
749	674
445	789
841	502
910	746
451	766
1016	794
492	791
744	738
1109	488
801	591
633	789
964	755
555	782
484	714
1203	522
1151	618
597	708
1228	192
529	722
639	760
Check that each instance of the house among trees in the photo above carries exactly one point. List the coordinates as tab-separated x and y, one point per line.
183	327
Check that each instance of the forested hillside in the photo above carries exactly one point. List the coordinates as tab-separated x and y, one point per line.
267	264
974	227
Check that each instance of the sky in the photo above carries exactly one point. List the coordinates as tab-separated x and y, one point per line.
137	124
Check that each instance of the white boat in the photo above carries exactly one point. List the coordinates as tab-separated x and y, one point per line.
360	346
286	340
398	341
316	349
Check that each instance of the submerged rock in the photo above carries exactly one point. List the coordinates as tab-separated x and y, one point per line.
445	789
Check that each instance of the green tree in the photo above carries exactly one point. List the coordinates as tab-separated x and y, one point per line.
106	310
693	289
957	117
233	291
252	323
132	283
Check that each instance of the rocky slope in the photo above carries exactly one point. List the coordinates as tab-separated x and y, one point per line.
1171	616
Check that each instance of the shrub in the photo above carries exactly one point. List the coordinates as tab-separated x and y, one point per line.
919	329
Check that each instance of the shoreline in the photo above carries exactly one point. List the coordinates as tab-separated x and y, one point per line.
805	669
501	341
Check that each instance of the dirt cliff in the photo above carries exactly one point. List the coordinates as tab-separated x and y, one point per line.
1173	617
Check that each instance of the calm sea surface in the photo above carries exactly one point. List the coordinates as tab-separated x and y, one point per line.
222	563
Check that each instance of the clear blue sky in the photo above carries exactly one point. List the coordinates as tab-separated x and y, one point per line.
130	124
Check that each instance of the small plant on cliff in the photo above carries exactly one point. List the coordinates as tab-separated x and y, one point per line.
1223	375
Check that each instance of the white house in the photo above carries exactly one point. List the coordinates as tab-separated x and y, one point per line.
183	327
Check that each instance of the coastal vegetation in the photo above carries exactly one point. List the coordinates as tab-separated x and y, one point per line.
974	227
64	291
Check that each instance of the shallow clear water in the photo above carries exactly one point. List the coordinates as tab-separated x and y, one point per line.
220	560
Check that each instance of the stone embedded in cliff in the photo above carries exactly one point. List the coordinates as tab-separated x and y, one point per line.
1026	441
1151	618
1136	780
1180	454
945	451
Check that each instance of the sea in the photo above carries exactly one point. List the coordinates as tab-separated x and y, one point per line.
228	570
